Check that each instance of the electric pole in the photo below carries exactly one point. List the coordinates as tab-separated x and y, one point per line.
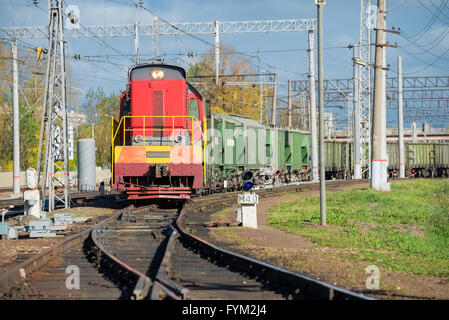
320	4
289	104
414	133
155	39
313	131
400	121
378	178
261	98
356	103
275	90
217	51
136	42
15	113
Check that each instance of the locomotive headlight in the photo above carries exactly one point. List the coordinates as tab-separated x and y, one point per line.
158	74
138	139
178	139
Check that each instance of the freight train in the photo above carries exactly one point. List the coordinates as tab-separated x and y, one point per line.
167	144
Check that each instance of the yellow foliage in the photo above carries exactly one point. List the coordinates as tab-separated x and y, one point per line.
230	95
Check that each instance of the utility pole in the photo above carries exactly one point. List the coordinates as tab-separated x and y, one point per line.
400	121
217	50
155	39
261	98
356	103
313	131
320	4
384	164
136	41
378	178
309	114
424	129
275	90
15	114
289	104
414	131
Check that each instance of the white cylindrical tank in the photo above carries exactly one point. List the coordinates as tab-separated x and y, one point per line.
86	165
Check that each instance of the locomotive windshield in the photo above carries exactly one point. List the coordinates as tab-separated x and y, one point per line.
157	73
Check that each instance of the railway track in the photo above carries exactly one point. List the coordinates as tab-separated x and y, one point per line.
16	206
147	253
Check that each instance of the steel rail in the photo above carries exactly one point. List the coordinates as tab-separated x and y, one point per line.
126	274
141	284
311	288
20	272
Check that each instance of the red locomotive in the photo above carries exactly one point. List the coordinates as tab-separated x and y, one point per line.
158	144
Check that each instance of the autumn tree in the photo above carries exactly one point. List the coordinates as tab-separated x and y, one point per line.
236	93
31	82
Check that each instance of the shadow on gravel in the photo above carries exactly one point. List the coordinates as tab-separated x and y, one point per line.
104	203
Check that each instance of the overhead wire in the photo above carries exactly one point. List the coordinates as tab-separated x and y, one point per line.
205	41
426	28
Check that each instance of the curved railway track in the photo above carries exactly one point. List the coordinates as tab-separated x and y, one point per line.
147	253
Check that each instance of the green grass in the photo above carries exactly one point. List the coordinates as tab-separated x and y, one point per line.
406	229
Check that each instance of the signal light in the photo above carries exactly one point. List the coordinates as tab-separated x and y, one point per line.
247	180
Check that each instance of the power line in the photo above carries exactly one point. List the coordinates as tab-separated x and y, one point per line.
435	6
96	37
207	42
430	23
396	5
434	42
427	64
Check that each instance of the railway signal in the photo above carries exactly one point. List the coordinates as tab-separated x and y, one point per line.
248	201
247	180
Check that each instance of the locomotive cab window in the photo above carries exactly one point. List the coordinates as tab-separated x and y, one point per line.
156	73
193	109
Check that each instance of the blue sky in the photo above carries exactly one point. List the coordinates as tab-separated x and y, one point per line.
341	27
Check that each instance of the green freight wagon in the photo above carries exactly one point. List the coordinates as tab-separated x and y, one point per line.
422	159
290	158
237	143
338	159
442	159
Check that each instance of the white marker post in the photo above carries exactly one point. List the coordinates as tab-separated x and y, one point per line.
248	202
31	197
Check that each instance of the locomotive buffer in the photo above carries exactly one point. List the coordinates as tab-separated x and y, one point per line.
248	201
